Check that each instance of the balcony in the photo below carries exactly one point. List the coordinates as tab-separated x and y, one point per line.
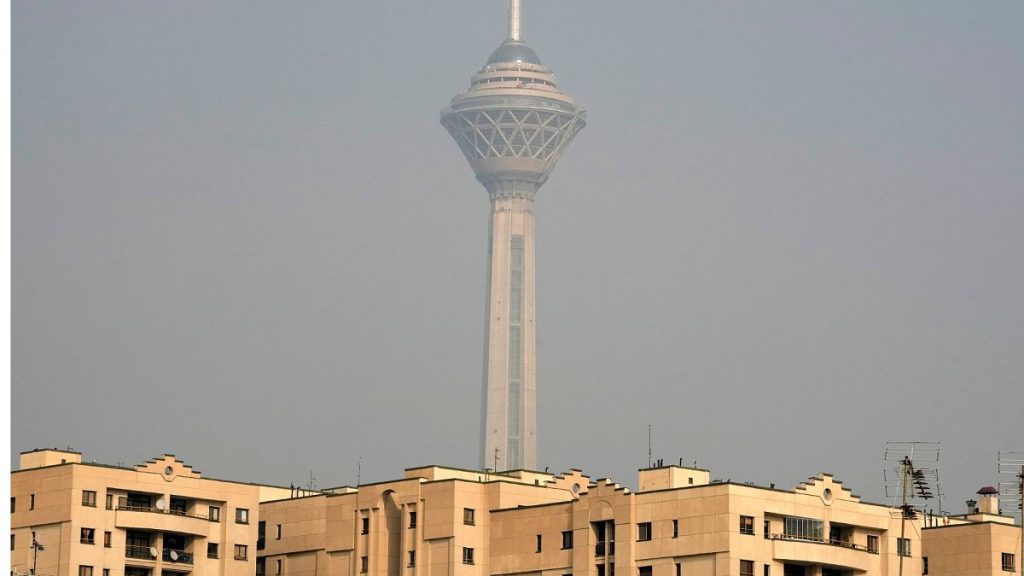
160	520
601	547
177	556
835	553
140	553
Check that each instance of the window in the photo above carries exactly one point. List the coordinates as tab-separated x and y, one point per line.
412	519
277	566
679	569
241	552
241	515
467	555
872	544
645	571
278	532
261	567
469	516
212	549
31	501
214	514
366	526
566	539
261	535
746	568
539	542
109	501
13	499
106	539
106	572
89	498
767	529
85	571
88	536
412	558
767	570
924	569
12	542
903	546
746	524
1009	564
675	528
804	529
364	564
643	530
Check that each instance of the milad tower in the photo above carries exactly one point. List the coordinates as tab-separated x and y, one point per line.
512	124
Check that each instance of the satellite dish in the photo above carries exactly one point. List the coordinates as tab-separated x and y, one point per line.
152	551
160	504
174	556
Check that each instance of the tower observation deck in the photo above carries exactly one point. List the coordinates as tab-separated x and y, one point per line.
512	124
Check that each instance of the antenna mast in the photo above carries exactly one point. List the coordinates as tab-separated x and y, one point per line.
906	482
515	18
1011	465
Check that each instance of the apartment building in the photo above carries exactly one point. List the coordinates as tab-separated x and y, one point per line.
159	518
982	542
446	522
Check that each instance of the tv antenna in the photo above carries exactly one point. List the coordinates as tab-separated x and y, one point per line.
906	481
1011	485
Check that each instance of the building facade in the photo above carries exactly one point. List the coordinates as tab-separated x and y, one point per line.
512	125
982	542
160	518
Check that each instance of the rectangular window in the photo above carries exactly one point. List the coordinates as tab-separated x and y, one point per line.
804	529
1009	562
241	515
261	535
467	556
412	519
412	558
31	501
539	542
872	544
366	526
767	529
109	501
241	552
214	514
89	498
85	571
277	566
643	531
746	568
675	528
645	571
88	536
12	542
106	539
261	567
746	524
364	564
924	569
278	532
469	516
13	499
566	539
903	546
106	572
679	569
767	570
212	549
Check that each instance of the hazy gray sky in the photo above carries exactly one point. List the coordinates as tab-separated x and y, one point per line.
790	232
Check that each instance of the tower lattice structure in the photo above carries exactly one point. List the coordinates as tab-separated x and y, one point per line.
512	124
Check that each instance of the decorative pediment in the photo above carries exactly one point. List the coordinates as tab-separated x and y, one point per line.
574	481
827	488
169	467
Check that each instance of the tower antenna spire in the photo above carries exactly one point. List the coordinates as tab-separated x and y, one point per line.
515	18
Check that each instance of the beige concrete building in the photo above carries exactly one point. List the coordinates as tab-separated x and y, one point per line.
159	518
444	522
982	542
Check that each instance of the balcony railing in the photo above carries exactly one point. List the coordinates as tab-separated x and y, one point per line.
153	510
814	540
178	556
139	552
601	547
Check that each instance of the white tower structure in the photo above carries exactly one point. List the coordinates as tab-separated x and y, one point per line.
512	124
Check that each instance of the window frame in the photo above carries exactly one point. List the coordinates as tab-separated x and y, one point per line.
213	549
364	564
1012	565
675	528
241	552
107	537
872	544
412	519
89	498
469	516
644	532
566	539
468	556
84	570
411	558
87	535
747	525
241	515
213	513
746	564
903	547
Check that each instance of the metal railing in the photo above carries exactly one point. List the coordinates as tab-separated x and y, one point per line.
178	556
601	547
153	510
816	540
139	552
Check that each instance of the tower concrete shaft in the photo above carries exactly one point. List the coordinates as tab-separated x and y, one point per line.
512	125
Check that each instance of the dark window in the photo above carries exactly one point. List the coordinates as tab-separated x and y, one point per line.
872	544
924	569
412	519
539	542
12	504
746	568
468	516
212	549
106	572
241	515
241	552
675	528
767	570
412	558
261	566
179	505
12	542
767	529
261	535
645	571
106	539
109	501
467	556
643	530
903	546
278	532
364	564
88	536
566	539
32	502
366	526
277	566
1009	562
746	524
85	571
214	514
679	569
89	498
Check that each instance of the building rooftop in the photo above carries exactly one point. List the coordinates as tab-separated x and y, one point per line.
514	51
